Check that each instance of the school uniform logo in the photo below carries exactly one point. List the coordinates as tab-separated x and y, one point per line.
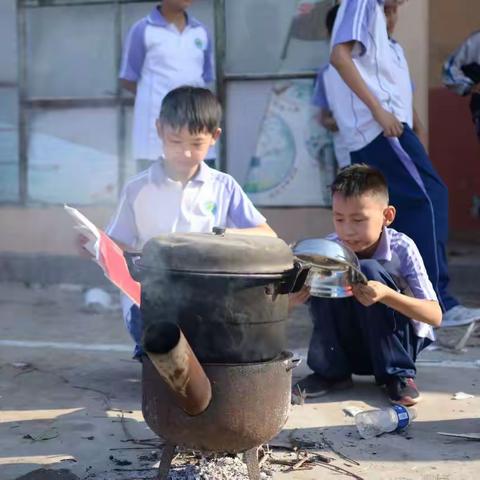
210	207
199	43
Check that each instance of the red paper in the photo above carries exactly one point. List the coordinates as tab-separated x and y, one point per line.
107	254
111	259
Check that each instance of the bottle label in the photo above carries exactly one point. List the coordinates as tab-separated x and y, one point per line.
402	415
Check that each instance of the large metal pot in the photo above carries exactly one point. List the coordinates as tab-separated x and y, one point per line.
227	293
250	405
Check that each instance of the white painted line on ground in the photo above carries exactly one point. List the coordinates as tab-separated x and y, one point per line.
449	363
115	347
95	347
302	353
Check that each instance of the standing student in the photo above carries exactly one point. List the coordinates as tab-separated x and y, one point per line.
373	113
164	50
328	77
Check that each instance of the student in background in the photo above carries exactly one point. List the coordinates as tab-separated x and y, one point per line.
328	75
461	73
166	49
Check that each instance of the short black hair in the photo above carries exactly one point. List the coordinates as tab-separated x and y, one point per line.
193	107
330	18
359	179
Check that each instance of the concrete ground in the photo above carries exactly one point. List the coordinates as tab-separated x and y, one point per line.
70	399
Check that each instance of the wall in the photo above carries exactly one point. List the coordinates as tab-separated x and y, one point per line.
455	150
413	33
48	230
451	22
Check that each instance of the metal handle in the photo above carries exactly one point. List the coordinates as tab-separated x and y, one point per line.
357	276
296	279
293	363
132	260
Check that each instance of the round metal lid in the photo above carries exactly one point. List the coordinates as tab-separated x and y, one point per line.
329	255
210	253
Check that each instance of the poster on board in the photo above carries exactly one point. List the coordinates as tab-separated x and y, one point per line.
293	162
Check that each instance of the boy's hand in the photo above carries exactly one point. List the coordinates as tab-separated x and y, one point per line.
392	127
370	293
298	298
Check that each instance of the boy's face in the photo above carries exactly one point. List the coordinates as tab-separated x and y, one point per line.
391	15
359	220
184	150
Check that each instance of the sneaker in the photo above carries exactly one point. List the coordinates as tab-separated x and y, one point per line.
402	390
314	385
460	315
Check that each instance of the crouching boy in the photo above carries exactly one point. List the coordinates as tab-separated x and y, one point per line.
381	329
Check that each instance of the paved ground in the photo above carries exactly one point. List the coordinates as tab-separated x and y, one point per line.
70	399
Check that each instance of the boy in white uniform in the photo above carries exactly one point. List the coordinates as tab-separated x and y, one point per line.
328	77
180	193
461	73
164	50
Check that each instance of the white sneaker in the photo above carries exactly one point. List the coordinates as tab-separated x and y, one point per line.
460	315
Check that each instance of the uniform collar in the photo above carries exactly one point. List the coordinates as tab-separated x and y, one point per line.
156	18
159	176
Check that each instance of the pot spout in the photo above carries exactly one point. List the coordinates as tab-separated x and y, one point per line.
170	353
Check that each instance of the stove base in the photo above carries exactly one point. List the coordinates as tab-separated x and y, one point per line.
250	458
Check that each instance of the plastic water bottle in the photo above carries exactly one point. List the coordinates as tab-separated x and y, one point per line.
375	422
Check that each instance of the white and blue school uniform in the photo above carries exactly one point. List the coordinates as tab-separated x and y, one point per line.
351	338
152	204
404	80
328	82
468	53
324	83
461	72
159	58
415	187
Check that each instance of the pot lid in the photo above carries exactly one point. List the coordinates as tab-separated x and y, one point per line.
210	253
329	255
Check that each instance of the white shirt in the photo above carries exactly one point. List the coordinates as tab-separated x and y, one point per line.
404	80
468	53
152	204
325	82
363	22
160	58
